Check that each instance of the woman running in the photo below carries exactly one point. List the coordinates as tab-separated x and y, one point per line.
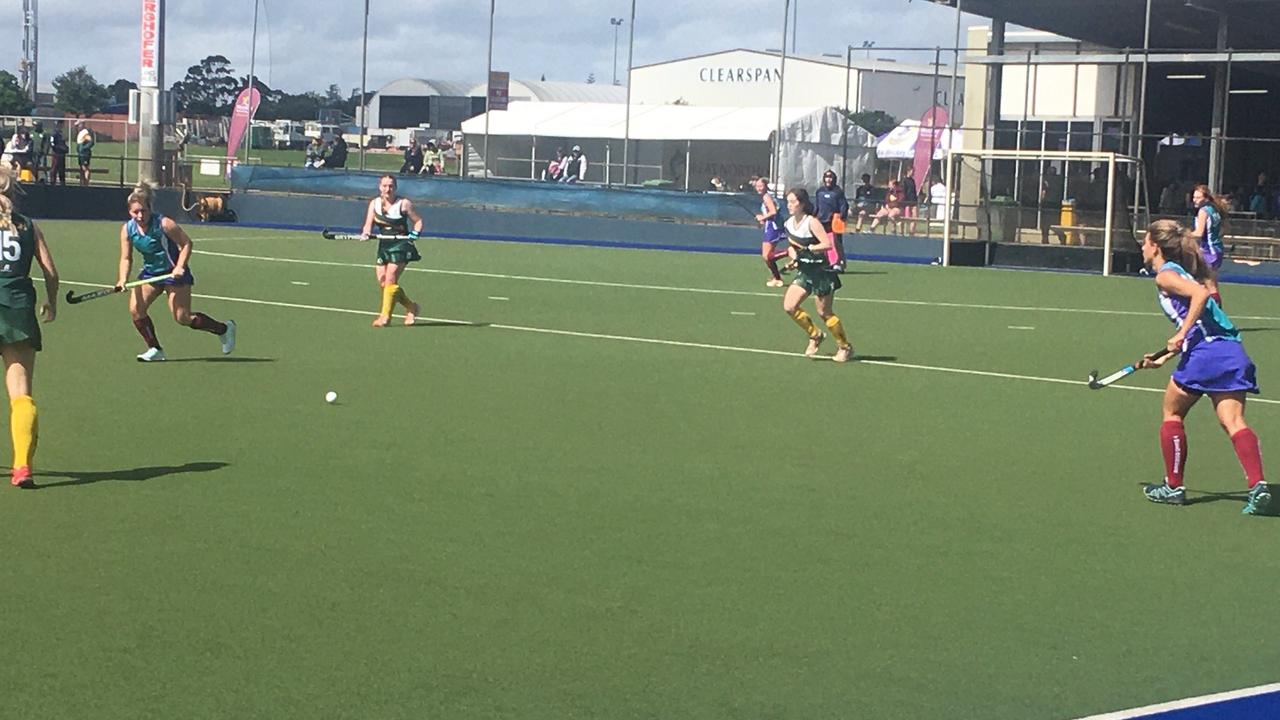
809	243
1210	213
20	243
767	217
1213	363
391	215
165	250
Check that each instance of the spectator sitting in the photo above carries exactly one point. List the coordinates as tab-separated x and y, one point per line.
892	208
18	150
337	153
716	185
315	153
412	159
575	167
430	159
863	200
555	167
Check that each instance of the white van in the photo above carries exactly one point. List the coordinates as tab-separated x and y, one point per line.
289	134
321	130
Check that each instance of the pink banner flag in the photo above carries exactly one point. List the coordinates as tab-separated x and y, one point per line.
241	115
932	127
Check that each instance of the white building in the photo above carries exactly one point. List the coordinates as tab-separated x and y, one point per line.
750	78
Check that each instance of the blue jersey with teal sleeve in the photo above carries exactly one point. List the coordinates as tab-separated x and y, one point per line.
1211	243
159	253
1213	323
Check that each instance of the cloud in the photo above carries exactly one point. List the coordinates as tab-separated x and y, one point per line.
308	46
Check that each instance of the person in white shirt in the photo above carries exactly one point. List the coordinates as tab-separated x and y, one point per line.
575	168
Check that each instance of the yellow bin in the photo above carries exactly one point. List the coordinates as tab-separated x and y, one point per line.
26	175
1068	219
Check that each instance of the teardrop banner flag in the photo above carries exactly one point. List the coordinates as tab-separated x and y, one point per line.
241	115
932	127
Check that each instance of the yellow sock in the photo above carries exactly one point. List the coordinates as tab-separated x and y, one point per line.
837	329
403	298
388	299
805	322
25	429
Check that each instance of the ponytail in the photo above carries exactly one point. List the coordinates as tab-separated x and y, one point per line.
1218	204
1178	244
143	194
6	201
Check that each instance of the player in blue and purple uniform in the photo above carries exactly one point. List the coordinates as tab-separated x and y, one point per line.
1213	363
1210	212
768	219
165	249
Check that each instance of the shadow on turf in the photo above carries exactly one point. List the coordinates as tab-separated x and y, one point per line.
1204	497
443	324
1258	329
223	359
130	475
875	358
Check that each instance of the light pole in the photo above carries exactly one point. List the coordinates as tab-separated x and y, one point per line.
488	80
364	79
867	45
782	74
617	25
626	133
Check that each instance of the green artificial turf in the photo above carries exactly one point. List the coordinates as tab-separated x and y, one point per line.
540	514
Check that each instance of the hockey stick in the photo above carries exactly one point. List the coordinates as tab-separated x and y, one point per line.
1127	370
330	235
74	299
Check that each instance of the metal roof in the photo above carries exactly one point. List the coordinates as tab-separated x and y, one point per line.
1176	24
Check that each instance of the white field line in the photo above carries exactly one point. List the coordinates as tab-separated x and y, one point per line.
742	314
499	298
299	282
708	291
1187	703
1021	327
678	343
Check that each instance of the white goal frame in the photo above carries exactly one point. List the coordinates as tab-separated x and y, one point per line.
1112	160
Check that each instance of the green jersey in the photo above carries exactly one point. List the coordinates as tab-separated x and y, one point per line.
17	249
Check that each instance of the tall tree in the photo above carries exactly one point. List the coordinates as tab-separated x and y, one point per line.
209	88
13	100
78	92
119	90
876	122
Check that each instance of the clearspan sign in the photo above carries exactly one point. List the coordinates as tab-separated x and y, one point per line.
150	44
739	75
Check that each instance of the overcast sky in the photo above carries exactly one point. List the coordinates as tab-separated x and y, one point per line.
308	44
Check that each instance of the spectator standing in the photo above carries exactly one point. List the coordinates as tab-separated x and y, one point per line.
39	148
412	159
58	150
1051	189
832	204
337	154
84	150
910	198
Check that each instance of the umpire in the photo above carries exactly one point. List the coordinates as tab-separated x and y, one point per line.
832	203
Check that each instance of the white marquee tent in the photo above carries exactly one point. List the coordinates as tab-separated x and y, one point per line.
682	145
900	143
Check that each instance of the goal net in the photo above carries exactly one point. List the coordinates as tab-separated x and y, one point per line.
1068	210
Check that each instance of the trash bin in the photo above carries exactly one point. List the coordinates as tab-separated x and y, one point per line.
1067	219
1002	215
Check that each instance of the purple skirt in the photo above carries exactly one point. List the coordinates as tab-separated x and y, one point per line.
1211	256
1216	367
772	233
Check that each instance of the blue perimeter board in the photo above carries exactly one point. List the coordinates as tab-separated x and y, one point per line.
529	211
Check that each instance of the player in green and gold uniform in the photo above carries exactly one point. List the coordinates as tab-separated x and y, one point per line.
20	243
391	216
808	245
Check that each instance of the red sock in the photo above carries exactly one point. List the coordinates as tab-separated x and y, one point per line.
1217	297
1173	442
1246	444
200	321
772	262
148	331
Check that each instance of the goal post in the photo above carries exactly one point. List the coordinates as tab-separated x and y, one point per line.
1086	202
